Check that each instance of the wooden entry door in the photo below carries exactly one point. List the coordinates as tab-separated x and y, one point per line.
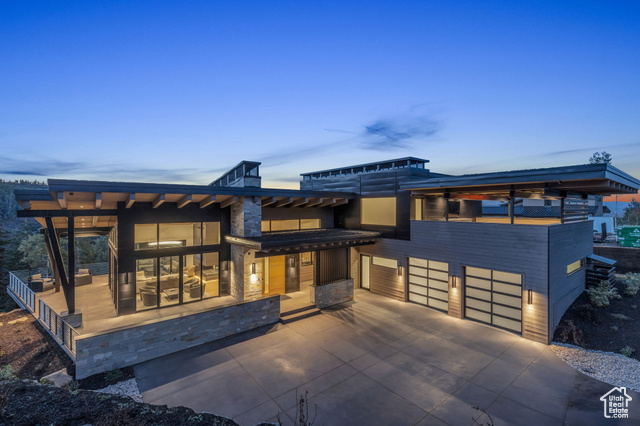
275	277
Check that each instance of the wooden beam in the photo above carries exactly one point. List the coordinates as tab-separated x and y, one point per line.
268	201
159	201
313	202
300	202
61	200
208	200
327	202
65	213
284	202
229	201
184	201
340	202
25	204
94	221
98	200
131	200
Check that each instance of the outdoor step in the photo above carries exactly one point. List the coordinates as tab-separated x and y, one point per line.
297	310
307	313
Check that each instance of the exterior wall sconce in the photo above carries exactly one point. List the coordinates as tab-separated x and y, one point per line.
454	281
225	265
292	262
253	268
529	297
400	268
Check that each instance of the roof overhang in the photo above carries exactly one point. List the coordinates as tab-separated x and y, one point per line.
555	182
66	198
286	242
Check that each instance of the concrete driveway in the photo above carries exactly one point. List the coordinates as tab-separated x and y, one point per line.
378	361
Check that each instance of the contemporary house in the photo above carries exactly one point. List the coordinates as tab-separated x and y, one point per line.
193	263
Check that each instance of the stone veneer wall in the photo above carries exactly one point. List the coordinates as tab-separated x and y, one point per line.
96	353
331	294
246	221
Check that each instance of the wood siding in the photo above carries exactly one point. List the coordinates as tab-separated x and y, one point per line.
332	265
521	249
567	244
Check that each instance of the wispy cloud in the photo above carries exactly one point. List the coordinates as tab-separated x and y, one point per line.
387	134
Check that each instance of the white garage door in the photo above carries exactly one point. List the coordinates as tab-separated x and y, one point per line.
429	283
494	297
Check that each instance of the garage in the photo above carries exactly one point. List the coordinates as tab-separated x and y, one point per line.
494	297
429	283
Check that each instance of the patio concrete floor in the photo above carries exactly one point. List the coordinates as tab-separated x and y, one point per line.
377	361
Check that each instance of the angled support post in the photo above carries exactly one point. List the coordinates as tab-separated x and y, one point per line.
59	262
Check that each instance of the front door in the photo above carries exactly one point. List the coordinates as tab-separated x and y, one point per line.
365	266
274	275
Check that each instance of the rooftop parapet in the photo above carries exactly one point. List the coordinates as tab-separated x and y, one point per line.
380	166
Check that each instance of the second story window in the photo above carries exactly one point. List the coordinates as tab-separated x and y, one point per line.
378	211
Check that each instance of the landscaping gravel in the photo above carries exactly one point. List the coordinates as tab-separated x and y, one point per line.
609	367
127	388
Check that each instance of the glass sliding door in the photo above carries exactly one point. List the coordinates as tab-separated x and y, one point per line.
170	280
365	268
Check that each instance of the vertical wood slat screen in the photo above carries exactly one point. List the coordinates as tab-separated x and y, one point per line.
333	265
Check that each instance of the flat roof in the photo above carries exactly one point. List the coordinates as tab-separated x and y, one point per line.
587	178
305	240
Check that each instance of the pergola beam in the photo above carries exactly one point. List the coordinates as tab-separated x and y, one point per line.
300	202
98	200
268	201
184	201
314	202
284	202
131	200
229	201
62	201
160	199
208	200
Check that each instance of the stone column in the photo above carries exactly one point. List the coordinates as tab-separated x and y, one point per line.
246	219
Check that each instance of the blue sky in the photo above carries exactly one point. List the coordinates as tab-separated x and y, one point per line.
181	91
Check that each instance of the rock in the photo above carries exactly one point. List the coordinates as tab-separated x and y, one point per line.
126	388
59	378
21	319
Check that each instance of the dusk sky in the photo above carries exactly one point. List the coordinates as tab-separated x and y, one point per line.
179	92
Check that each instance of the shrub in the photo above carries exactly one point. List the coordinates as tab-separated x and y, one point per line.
602	294
7	372
627	351
568	332
113	376
632	284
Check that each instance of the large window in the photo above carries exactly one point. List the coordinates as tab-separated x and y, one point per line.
378	211
289	225
168	235
170	280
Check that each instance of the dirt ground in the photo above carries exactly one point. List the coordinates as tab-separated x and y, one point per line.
609	328
26	403
27	349
28	353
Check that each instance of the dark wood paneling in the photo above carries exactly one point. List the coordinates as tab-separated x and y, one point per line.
387	282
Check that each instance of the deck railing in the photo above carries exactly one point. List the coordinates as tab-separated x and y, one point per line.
60	330
24	293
